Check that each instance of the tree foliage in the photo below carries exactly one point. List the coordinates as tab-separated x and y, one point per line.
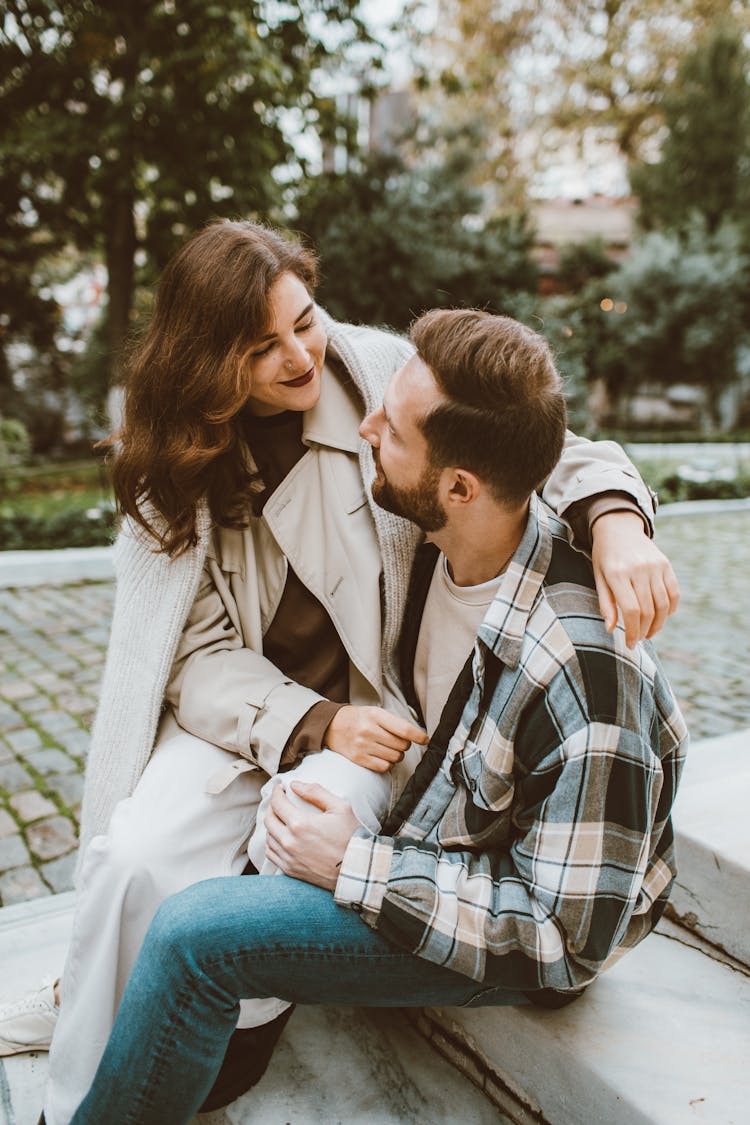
673	312
395	240
704	165
124	126
580	262
530	78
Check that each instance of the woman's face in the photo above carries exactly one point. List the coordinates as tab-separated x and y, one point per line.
286	363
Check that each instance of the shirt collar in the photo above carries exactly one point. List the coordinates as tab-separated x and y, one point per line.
505	622
334	420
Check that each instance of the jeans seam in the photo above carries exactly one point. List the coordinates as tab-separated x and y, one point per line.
160	1057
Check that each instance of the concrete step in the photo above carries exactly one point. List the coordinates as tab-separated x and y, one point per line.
662	1039
333	1065
712	839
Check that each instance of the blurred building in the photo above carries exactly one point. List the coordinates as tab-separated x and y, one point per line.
560	222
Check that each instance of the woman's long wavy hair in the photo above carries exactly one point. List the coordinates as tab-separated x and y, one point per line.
189	377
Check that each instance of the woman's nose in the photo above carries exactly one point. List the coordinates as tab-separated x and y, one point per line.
297	355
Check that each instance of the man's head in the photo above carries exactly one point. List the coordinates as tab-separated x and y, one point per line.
481	404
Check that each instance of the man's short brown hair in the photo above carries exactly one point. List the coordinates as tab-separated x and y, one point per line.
504	414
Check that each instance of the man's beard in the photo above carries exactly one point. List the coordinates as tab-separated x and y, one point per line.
420	503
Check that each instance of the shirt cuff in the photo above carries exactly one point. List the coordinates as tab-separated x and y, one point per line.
307	736
363	878
584	513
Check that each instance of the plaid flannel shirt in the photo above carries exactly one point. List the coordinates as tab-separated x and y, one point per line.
533	845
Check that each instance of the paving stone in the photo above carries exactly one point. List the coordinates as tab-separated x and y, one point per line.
68	786
13	852
50	760
75	742
13	777
24	740
59	872
6	754
26	664
55	722
75	703
10	719
16	690
49	682
20	885
36	703
32	805
51	838
7	824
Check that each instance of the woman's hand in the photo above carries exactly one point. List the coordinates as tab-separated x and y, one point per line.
371	736
633	575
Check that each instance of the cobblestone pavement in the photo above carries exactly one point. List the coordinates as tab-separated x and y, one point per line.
53	641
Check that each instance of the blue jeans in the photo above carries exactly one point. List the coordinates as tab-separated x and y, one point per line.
245	937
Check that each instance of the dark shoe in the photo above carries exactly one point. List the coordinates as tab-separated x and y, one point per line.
248	1055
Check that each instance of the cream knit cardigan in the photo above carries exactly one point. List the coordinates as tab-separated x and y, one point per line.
155	594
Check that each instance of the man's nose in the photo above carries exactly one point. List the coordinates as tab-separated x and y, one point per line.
368	430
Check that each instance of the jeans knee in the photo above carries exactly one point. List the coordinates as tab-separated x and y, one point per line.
182	936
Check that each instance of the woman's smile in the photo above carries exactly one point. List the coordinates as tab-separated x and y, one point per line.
301	380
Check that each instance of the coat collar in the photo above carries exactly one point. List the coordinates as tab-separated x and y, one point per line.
335	418
505	623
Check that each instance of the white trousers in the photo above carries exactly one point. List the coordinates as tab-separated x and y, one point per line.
175	830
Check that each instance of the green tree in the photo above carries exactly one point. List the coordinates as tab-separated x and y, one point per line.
704	165
128	125
581	262
395	240
524	79
673	312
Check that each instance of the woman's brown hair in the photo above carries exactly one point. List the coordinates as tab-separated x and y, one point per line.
188	379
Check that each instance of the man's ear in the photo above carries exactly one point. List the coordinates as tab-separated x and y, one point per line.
463	486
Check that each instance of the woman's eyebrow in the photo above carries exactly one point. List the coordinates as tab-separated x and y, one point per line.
271	335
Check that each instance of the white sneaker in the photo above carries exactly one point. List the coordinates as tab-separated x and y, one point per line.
27	1024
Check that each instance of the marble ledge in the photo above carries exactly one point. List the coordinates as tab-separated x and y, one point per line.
712	895
662	1038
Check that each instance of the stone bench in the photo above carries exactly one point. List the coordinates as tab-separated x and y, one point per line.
663	1038
332	1064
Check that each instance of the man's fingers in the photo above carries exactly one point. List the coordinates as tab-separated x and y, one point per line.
317	795
673	589
607	605
281	806
661	603
646	588
625	599
276	830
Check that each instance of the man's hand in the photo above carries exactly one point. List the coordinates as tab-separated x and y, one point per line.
632	573
371	736
304	844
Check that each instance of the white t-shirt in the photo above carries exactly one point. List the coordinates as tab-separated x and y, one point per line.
452	615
